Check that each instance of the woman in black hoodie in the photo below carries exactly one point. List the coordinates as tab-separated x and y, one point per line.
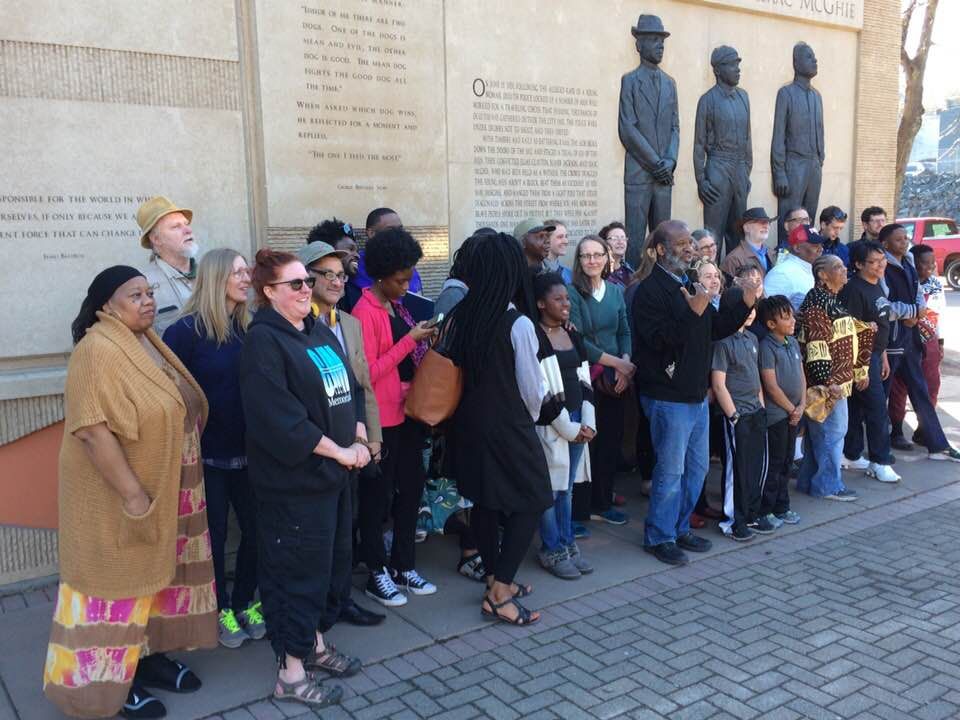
305	416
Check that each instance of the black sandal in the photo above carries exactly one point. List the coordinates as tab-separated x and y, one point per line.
159	671
522	590
524	616
141	705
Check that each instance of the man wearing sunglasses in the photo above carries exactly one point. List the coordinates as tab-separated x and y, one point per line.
326	267
832	222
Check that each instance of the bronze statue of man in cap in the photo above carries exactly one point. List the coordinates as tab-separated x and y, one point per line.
723	149
649	127
796	151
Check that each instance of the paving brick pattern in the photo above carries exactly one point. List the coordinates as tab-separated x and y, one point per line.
859	619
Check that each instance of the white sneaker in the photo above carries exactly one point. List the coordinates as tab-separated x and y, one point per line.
861	463
883	473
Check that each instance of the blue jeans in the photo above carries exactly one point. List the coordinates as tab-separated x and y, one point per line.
681	441
822	448
556	523
869	407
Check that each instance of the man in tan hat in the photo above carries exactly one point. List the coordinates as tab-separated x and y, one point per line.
165	231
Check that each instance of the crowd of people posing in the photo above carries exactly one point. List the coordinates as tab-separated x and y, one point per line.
279	388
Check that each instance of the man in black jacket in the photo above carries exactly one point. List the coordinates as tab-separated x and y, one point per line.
674	325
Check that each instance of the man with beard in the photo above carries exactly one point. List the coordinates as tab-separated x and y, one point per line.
165	231
752	250
674	325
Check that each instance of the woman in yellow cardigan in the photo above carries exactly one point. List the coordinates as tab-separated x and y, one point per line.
136	576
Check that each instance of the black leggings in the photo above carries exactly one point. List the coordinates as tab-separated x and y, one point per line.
396	489
503	559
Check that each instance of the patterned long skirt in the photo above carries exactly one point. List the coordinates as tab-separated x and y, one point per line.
95	643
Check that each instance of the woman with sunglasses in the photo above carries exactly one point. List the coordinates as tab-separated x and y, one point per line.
302	406
394	345
208	338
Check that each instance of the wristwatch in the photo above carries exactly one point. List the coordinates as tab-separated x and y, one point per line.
733	418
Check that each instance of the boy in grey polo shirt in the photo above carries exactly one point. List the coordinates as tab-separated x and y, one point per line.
785	390
736	384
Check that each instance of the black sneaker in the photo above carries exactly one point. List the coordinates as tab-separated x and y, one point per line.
741	534
694	543
141	705
668	553
381	588
899	442
411	581
762	526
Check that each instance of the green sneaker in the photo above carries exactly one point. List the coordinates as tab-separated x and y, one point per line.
231	635
252	621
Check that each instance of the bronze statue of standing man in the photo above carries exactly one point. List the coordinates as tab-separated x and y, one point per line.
650	131
723	149
796	152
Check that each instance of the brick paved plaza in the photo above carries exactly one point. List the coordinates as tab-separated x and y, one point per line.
859	619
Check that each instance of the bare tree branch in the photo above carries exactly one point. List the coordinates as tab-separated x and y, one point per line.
913	71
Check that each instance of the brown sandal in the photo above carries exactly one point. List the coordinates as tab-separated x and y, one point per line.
332	661
524	616
308	691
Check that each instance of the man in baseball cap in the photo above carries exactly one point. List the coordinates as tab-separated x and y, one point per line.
534	238
165	231
793	276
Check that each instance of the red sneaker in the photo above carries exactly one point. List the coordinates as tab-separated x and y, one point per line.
697	522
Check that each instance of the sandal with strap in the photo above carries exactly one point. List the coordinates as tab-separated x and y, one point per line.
522	590
524	616
308	691
472	567
159	671
332	661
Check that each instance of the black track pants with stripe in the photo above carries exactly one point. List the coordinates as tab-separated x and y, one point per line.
744	468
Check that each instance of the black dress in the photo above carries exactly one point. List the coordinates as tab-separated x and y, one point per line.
498	458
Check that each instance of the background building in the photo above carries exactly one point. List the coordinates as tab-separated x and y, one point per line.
265	117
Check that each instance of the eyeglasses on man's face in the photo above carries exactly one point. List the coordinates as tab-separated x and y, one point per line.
328	275
296	284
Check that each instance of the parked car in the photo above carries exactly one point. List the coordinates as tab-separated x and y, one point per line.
941	234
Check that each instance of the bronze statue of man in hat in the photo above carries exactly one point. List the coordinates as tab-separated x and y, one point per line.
796	150
649	127
723	149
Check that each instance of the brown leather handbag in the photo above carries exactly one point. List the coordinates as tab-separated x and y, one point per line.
436	389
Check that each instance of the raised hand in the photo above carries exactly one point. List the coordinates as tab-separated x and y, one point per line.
699	301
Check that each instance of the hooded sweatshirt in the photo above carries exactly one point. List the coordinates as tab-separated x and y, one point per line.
296	389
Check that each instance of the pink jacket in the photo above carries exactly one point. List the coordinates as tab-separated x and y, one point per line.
383	356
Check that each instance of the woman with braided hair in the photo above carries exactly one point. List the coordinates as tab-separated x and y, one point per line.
499	462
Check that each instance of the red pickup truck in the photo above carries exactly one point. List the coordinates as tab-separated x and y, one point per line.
940	234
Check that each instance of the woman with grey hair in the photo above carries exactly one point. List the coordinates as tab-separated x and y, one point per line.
705	244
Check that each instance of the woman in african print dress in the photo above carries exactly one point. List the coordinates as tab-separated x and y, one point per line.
836	350
136	576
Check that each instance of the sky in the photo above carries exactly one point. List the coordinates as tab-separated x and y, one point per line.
942	79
